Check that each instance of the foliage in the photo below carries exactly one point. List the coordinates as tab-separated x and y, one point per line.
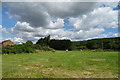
27	47
20	48
46	44
42	47
78	47
44	41
60	44
29	43
103	43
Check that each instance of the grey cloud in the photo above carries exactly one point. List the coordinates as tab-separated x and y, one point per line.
35	19
32	13
39	35
68	9
39	14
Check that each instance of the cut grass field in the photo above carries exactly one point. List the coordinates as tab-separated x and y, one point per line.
61	64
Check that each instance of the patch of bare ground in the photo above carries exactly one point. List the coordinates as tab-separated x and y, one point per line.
73	74
21	75
66	74
57	72
106	74
92	68
16	74
47	71
86	73
33	67
70	75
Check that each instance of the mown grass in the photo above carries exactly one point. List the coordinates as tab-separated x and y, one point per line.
61	64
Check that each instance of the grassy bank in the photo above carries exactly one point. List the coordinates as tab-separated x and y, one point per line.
61	64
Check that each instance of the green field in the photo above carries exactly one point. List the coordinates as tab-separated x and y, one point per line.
61	64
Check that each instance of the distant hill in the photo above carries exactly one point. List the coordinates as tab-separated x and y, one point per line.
100	43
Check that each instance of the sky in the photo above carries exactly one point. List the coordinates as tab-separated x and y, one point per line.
23	21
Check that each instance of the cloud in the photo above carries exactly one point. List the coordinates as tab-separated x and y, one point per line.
0	26
110	34
3	30
39	14
27	32
99	17
85	34
36	20
68	9
32	13
116	34
18	40
58	33
59	23
24	26
15	40
107	4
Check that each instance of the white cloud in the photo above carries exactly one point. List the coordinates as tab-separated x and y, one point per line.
58	33
3	30
116	34
57	24
26	32
102	17
39	14
110	34
85	34
19	40
23	26
15	40
0	26
36	20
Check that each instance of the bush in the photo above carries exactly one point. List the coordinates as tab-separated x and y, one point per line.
20	48
27	47
42	47
78	47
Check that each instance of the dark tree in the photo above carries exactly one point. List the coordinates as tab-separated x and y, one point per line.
44	41
60	44
102	43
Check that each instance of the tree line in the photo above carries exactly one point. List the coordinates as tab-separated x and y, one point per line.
45	44
102	43
27	47
55	43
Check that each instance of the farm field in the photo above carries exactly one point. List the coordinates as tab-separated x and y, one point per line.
61	64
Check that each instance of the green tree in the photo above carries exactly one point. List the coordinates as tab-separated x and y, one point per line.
29	43
44	41
60	44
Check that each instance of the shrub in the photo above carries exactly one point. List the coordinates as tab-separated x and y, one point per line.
78	47
27	47
20	48
42	47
